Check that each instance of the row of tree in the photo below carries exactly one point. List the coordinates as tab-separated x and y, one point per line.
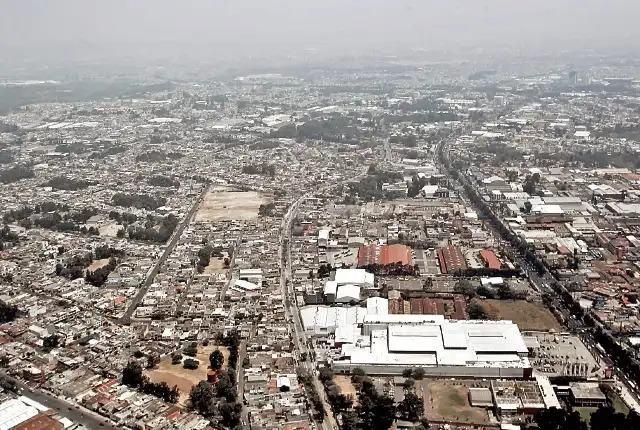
133	377
16	173
139	201
65	183
392	269
604	418
98	277
163	181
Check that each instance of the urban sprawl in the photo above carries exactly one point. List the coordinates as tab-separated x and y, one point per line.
394	246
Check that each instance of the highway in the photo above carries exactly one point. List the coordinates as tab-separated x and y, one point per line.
173	241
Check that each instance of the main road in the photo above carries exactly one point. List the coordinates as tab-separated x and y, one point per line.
64	408
173	241
292	313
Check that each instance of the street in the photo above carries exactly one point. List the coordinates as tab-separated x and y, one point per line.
126	318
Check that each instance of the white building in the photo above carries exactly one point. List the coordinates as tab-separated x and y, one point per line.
388	344
358	277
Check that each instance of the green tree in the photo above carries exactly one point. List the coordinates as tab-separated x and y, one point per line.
216	360
411	408
132	375
201	398
464	287
559	419
476	311
230	412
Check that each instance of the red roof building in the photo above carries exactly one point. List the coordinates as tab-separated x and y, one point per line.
451	259
384	254
490	259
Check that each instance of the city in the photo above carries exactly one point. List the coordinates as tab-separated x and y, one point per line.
392	242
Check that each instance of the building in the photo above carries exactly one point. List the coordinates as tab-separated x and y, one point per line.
490	259
451	259
23	413
358	277
586	394
384	254
388	344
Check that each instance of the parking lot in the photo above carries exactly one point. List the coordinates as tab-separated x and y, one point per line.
564	355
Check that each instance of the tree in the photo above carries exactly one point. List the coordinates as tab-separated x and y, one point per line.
225	386
176	358
216	360
409	384
527	207
190	364
191	349
349	420
559	419
230	412
8	313
201	398
132	375
411	408
325	374
51	342
407	373
476	311
152	360
377	412
424	424
465	288
417	373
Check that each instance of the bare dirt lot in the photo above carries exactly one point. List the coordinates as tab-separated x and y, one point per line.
346	387
223	204
110	229
449	401
98	264
528	315
216	265
176	374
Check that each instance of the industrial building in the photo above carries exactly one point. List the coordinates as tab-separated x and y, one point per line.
451	259
384	254
388	344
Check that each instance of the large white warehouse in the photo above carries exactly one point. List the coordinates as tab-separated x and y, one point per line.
388	344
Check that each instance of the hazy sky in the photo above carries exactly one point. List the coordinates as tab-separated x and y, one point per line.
242	27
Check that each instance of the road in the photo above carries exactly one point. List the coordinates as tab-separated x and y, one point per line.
543	282
126	318
292	313
65	408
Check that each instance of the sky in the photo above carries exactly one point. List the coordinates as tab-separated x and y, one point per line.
32	28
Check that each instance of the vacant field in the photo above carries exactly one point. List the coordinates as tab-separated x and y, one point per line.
347	388
528	315
185	378
98	264
110	229
449	401
222	204
216	265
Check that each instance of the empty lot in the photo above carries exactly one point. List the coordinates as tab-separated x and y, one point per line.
176	374
225	204
528	315
449	401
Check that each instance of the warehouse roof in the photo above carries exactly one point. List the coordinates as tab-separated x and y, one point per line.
440	342
14	412
353	276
